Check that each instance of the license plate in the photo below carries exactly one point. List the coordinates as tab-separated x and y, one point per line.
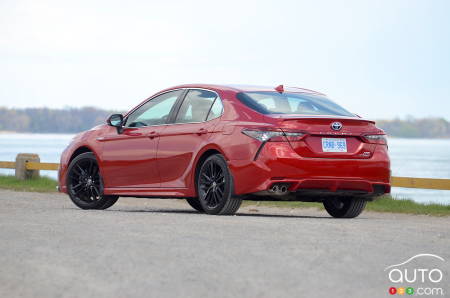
334	145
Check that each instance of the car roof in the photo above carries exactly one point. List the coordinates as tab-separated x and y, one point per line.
247	88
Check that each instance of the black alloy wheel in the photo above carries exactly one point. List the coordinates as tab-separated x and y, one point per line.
85	184
215	187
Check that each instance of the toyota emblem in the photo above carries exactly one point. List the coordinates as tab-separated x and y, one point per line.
336	125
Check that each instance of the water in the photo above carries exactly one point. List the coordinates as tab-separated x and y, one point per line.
48	146
424	158
421	158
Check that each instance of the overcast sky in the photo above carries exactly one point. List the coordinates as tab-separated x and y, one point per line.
380	59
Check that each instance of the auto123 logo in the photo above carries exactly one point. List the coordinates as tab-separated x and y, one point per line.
419	275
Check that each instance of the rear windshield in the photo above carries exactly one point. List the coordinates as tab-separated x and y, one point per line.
268	102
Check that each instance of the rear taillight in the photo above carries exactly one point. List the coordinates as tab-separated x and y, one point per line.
293	136
273	135
376	139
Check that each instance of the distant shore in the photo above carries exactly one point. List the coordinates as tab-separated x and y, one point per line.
6	132
74	120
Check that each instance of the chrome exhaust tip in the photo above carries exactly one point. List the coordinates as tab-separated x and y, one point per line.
279	189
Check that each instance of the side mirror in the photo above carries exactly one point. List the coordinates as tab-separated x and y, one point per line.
115	120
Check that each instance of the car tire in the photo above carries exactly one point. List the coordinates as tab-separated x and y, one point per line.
195	203
85	184
344	207
110	200
215	187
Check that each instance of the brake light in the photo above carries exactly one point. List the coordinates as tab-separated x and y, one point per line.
376	139
293	136
273	135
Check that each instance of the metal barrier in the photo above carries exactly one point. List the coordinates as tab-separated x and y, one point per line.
425	183
48	166
28	165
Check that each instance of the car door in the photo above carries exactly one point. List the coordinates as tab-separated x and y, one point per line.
129	157
179	143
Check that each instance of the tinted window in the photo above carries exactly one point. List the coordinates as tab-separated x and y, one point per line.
291	103
154	112
196	106
216	110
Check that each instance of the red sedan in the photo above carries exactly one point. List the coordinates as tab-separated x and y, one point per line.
216	145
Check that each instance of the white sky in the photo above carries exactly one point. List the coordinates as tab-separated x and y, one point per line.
379	59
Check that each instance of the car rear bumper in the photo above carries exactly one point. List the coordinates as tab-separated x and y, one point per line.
278	163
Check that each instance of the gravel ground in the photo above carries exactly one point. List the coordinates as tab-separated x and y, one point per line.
162	248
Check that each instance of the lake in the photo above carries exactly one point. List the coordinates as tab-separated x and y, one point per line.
425	158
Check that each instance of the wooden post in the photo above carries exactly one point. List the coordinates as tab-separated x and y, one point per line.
21	161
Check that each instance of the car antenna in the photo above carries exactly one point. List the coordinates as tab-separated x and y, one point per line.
280	88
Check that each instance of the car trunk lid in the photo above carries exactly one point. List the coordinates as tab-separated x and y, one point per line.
330	136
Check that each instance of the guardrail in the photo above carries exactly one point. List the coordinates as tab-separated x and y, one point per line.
425	183
29	165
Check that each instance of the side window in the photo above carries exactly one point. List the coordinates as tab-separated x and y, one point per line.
216	110
154	112
196	106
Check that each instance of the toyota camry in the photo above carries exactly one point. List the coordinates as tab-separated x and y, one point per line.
216	145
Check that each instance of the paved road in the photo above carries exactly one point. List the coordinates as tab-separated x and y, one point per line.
161	248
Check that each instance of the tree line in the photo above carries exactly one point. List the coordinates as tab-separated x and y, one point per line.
416	127
73	120
45	120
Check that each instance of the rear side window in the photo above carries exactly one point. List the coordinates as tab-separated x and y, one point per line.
291	103
196	106
216	110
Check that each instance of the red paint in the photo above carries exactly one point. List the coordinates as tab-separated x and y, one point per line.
280	88
161	160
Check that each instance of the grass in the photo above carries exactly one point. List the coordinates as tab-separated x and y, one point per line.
389	204
384	204
42	184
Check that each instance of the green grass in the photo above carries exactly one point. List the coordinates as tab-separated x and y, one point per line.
43	184
389	204
384	204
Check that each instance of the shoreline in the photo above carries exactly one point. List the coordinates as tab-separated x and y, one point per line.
6	132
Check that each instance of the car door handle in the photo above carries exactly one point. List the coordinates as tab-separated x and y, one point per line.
152	134
202	131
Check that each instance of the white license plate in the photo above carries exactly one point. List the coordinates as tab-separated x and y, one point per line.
334	145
